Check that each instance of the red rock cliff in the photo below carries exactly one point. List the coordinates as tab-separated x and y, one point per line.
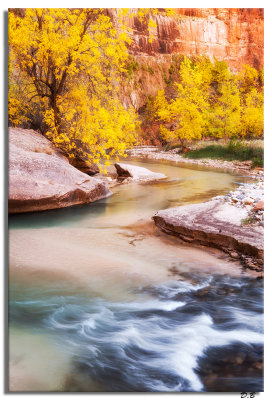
231	34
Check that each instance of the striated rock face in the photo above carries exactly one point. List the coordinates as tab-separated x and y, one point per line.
235	35
231	34
215	224
40	178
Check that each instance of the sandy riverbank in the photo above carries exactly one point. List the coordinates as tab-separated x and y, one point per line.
156	153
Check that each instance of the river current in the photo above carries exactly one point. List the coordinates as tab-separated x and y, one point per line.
101	301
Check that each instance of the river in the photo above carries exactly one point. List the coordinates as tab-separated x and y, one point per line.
101	301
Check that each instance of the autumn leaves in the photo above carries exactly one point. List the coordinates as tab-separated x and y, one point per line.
65	68
66	63
211	101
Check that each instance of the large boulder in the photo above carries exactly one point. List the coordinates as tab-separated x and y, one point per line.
216	224
136	173
41	178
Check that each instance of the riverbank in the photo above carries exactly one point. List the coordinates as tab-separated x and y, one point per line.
156	153
248	196
79	275
233	222
218	224
243	207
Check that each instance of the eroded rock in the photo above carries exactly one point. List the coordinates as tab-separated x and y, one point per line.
41	178
215	224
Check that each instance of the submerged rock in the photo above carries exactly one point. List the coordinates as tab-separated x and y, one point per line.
215	224
41	178
137	173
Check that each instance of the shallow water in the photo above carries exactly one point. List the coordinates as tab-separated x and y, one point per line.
100	300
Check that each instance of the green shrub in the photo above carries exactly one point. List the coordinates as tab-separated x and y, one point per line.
234	145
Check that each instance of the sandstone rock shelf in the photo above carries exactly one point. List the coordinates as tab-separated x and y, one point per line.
41	178
215	224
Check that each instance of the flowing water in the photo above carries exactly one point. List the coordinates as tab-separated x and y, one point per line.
100	300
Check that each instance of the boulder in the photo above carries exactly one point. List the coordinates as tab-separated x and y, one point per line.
137	173
259	206
214	224
41	178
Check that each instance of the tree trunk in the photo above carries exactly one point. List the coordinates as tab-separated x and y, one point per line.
225	135
184	149
57	117
182	142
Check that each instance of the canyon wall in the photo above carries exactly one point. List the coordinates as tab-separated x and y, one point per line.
231	34
234	35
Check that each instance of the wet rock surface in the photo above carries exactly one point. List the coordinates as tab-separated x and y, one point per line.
232	366
41	178
216	224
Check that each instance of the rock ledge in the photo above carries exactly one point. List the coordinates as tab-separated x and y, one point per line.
215	224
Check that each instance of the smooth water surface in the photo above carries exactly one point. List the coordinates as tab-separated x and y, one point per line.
100	300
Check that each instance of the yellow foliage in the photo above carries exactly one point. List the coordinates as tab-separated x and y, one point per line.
226	114
252	102
71	61
212	101
185	114
253	114
248	78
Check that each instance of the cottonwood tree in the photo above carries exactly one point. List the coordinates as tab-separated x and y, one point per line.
252	101
227	112
67	62
252	115
185	115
